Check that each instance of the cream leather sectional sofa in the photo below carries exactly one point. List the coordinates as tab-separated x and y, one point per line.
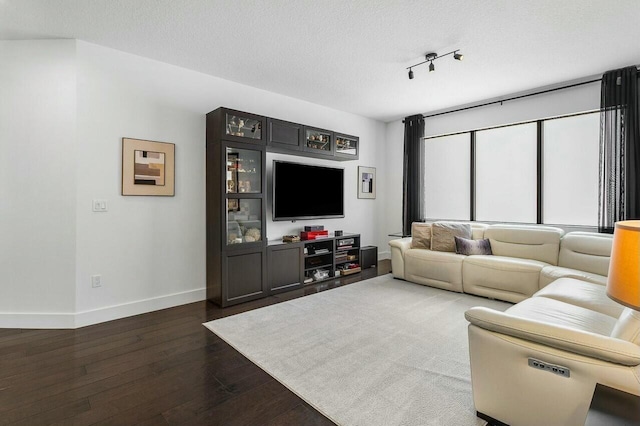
524	260
538	362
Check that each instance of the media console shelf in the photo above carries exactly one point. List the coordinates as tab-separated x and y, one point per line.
347	248
318	260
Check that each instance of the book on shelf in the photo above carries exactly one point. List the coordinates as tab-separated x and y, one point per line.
322	251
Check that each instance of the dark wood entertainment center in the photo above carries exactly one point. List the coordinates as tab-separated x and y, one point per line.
241	264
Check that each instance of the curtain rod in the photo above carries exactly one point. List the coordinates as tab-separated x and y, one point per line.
513	98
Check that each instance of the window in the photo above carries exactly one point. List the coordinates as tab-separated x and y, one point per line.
517	175
571	156
506	174
447	176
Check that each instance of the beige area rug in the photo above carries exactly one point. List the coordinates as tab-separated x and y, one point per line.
376	352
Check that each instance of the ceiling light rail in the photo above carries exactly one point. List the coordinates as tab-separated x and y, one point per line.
430	57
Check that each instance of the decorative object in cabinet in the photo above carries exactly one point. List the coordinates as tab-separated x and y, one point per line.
243	171
318	141
244	220
245	127
347	146
238	126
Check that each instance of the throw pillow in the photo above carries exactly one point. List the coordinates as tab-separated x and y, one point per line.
421	235
469	247
443	233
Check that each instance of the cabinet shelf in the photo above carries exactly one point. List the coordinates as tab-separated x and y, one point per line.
328	265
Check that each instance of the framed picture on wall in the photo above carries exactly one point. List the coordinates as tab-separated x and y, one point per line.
366	182
148	167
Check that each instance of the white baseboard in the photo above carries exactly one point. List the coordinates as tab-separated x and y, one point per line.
110	313
36	320
95	316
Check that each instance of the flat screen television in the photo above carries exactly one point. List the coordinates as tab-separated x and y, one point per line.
305	191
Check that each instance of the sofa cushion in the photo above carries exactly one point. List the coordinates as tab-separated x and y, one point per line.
540	243
581	293
434	268
421	235
551	273
469	247
498	277
586	251
443	233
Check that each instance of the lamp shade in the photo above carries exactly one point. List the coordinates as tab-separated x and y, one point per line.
623	282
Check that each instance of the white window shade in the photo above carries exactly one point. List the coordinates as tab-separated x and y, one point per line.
506	174
571	156
447	177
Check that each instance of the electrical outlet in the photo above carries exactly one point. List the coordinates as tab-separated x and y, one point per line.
96	281
555	369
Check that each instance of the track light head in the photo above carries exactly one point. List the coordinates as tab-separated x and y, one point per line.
410	74
458	56
431	67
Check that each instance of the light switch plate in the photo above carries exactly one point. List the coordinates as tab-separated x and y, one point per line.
99	205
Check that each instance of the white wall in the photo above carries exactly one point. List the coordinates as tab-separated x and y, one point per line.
37	193
150	251
567	101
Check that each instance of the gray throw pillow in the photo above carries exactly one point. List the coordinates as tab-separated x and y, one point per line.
443	233
469	247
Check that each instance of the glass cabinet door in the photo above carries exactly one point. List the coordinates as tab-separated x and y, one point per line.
347	146
243	126
317	140
244	171
244	220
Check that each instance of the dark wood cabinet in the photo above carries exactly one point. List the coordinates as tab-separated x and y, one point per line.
235	207
241	266
285	266
284	136
244	273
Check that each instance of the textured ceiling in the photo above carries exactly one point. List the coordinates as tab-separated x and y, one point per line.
352	55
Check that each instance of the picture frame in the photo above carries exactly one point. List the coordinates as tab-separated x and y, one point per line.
148	167
366	182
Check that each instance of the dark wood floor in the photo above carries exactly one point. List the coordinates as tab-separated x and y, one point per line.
159	368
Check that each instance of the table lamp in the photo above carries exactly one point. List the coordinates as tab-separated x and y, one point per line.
623	283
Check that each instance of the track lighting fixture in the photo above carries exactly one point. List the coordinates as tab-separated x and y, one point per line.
430	57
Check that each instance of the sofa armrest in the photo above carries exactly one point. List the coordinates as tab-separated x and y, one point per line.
401	243
577	341
398	247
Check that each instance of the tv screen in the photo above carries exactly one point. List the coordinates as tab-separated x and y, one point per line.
304	191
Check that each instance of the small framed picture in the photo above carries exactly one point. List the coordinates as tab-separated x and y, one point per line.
148	167
366	182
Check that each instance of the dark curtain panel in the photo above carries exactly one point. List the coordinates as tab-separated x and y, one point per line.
619	196
413	179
